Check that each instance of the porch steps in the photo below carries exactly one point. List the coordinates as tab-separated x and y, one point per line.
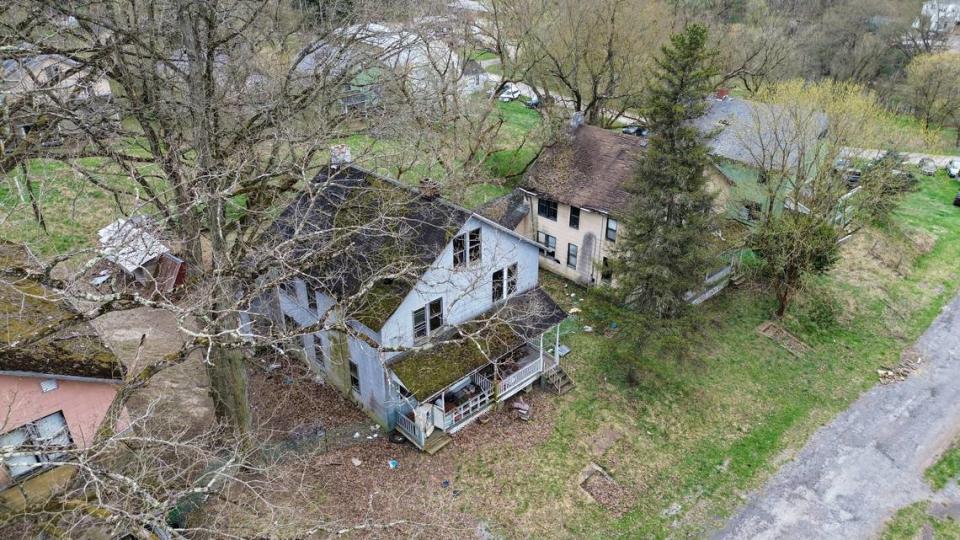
437	440
558	381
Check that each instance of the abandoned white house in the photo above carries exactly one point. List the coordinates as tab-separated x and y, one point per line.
423	312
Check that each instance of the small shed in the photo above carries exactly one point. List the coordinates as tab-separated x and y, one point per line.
143	258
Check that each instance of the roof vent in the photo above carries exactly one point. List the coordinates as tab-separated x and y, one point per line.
340	156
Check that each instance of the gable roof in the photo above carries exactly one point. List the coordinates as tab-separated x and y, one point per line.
739	129
591	169
351	225
27	310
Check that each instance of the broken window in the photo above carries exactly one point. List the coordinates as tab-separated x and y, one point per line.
475	245
38	444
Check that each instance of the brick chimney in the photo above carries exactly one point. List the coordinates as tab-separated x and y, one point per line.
340	156
429	189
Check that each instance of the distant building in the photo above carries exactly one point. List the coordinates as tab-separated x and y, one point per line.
576	196
33	83
58	382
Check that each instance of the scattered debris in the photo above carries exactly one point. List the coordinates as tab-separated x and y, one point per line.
588	329
445	484
910	361
563	350
356	462
604	490
522	408
574	311
393	464
356	435
785	339
672	510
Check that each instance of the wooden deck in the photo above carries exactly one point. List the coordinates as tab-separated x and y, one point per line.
437	440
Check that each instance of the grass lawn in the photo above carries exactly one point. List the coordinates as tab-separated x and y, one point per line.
694	433
947	468
908	522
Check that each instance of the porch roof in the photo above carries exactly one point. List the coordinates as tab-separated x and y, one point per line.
472	345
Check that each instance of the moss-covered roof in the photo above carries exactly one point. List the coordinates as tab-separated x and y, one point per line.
472	345
28	310
380	302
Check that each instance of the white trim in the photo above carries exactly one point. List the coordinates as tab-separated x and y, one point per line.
59	377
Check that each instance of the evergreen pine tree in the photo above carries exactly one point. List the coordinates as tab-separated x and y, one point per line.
665	249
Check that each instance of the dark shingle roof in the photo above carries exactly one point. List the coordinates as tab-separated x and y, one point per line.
507	211
351	226
589	170
27	310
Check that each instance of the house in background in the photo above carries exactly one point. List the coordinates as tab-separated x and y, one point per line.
576	196
132	245
44	78
58	382
461	326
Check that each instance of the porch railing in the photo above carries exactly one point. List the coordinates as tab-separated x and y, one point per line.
407	426
513	380
473	405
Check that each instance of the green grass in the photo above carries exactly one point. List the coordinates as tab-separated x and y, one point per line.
708	415
909	521
941	140
482	55
947	468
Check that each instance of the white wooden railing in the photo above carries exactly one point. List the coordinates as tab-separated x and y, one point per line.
473	405
518	377
407	426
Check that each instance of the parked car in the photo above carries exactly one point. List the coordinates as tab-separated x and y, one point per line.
533	103
851	176
636	129
509	92
842	163
953	168
956	200
928	166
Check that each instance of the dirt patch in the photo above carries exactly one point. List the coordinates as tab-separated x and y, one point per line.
783	338
604	440
605	491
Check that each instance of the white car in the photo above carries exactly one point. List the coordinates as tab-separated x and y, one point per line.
510	92
953	168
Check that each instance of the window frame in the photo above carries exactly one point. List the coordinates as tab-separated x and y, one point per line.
513	275
547	208
460	252
32	438
474	245
574	211
425	332
354	376
432	315
498	285
615	229
545	246
573	251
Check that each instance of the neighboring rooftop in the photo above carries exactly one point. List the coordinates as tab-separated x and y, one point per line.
129	244
591	169
28	310
471	346
742	130
507	211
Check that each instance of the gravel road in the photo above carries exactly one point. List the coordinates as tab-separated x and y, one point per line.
855	472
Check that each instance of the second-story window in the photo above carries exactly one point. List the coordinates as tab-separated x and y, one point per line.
428	319
460	251
547	209
475	247
467	247
574	217
612	229
504	282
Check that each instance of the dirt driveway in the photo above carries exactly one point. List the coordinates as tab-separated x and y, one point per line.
857	471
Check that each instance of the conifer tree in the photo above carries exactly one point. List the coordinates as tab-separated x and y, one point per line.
664	252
